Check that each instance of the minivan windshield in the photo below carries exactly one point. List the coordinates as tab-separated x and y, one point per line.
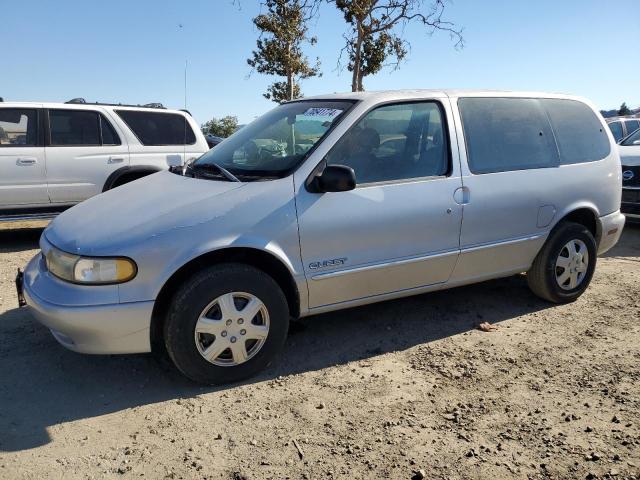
633	139
277	142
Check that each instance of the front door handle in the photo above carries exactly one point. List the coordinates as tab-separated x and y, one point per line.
116	159
26	161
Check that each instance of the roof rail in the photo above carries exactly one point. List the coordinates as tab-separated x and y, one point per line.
82	101
153	105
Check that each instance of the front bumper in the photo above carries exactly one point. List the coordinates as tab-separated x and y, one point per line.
610	230
103	328
631	203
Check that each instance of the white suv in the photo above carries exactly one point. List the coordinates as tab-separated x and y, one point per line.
54	155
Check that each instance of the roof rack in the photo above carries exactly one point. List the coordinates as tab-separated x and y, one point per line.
82	101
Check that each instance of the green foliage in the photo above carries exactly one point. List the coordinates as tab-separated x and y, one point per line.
223	127
278	92
624	110
376	30
283	31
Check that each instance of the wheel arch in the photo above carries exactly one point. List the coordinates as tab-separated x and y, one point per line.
584	215
261	259
136	170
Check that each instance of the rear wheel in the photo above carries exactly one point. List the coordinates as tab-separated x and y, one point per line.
563	268
226	323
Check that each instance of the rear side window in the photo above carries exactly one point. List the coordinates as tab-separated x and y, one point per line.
156	128
504	134
580	135
616	129
74	128
80	128
18	127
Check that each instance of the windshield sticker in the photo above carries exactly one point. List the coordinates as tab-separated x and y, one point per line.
322	112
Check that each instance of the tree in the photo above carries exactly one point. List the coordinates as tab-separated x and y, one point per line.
283	31
376	29
223	127
624	110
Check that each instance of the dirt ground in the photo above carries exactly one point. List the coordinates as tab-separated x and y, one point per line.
382	391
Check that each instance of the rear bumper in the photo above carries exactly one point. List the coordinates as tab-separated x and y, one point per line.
102	329
611	228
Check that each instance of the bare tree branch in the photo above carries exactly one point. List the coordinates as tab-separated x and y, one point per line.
377	32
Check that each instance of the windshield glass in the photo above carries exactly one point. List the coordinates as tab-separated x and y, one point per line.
633	139
277	142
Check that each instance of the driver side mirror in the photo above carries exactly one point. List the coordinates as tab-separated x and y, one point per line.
334	178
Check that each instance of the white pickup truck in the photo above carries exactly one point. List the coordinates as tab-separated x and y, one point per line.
54	155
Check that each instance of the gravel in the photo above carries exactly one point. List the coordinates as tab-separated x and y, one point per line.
403	389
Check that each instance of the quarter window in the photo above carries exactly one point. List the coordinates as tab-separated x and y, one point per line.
504	134
580	135
616	129
395	142
109	135
18	127
155	128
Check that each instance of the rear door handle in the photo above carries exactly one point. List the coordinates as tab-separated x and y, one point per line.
25	161
116	159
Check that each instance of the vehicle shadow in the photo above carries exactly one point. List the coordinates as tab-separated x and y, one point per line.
18	240
43	384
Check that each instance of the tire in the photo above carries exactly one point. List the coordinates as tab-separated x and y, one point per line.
547	277
213	300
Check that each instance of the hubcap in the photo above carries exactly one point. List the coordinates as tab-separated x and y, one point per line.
572	264
232	329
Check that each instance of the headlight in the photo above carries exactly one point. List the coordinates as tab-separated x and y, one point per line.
89	270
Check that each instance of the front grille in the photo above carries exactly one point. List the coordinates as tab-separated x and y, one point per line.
633	209
634	172
630	196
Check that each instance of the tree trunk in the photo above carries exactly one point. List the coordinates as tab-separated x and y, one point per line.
289	75
290	86
356	78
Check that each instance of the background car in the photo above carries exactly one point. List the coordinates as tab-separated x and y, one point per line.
212	140
623	126
54	155
629	149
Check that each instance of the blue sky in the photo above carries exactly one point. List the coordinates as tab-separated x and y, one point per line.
134	52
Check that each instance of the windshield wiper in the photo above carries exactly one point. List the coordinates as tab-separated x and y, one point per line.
206	166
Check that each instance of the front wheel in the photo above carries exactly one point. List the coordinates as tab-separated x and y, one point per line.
562	270
226	323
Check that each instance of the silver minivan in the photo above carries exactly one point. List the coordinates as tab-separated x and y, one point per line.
327	203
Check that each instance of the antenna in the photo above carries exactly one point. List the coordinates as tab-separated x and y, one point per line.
185	82
186	64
